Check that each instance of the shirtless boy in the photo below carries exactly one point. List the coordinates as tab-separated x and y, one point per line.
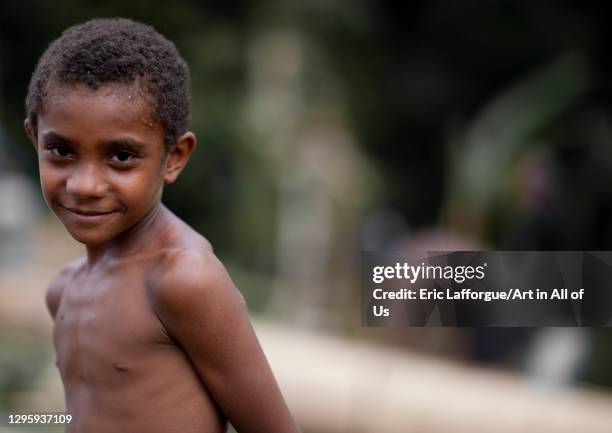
150	333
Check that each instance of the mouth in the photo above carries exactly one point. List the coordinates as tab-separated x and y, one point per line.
88	214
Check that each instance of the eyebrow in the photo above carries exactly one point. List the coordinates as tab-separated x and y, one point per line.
124	142
115	143
54	136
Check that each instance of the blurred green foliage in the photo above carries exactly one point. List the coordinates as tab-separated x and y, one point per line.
408	75
20	364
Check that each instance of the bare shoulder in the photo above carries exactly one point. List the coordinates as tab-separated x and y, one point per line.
189	276
192	277
55	290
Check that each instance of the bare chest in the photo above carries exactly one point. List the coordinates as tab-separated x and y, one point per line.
105	327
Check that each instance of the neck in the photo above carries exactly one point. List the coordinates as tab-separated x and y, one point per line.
132	240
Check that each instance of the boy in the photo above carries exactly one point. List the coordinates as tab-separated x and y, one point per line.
149	331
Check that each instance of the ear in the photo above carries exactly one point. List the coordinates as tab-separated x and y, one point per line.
178	156
29	129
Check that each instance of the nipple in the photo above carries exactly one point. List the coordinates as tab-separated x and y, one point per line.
119	367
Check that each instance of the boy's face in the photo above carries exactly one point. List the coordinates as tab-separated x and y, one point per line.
102	159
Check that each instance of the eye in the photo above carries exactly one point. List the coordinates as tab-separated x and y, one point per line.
60	150
122	156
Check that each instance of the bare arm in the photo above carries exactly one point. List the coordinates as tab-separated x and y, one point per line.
201	309
55	292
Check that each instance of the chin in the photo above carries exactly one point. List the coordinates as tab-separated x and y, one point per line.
89	238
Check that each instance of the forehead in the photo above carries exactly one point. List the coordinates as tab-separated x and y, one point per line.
77	111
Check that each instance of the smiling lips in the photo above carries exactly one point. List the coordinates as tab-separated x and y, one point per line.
87	214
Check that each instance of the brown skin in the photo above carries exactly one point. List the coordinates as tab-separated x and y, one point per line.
150	333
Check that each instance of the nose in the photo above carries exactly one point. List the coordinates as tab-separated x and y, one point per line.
86	181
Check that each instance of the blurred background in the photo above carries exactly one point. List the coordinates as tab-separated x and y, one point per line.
330	127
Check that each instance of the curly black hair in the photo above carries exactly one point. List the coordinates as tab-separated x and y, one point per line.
117	50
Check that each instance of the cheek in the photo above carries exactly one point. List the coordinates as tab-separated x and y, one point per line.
51	181
137	189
